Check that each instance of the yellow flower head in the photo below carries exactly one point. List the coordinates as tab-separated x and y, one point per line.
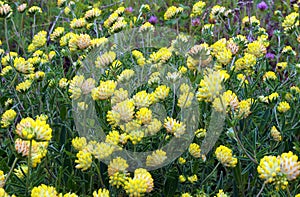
283	107
84	160
268	168
43	190
101	193
117	165
156	158
210	86
290	166
8	117
194	150
224	155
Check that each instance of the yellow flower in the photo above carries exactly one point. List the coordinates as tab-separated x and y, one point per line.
119	96
252	20
283	107
193	179
197	8
103	150
224	155
8	117
23	66
22	87
275	134
269	75
34	9
105	59
146	27
98	42
63	82
117	165
200	133
142	99
43	190
156	158
141	61
256	48
125	75
83	41
101	193
153	127
79	86
181	179
246	63
2	179
144	115
290	166
38	150
79	143
92	14
78	23
84	160
113	137
21	170
161	92
210	86
174	127
118	25
5	10
228	101
244	108
290	21
160	57
135	187
34	129
172	12
280	66
111	19
216	11
6	70
268	168
39	40
186	195
185	99
57	33
221	194
181	160
117	179
224	56
143	174
194	150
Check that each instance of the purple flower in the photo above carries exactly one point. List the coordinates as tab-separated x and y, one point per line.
262	6
195	22
129	9
270	56
153	19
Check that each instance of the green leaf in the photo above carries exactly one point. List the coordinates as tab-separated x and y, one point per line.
171	183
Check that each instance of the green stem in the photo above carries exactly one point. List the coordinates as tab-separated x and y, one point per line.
210	173
6	34
242	146
29	166
99	174
262	188
11	169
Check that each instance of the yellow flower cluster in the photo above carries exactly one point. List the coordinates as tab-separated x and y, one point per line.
224	155
283	107
290	21
39	40
279	170
197	8
210	86
8	117
172	12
